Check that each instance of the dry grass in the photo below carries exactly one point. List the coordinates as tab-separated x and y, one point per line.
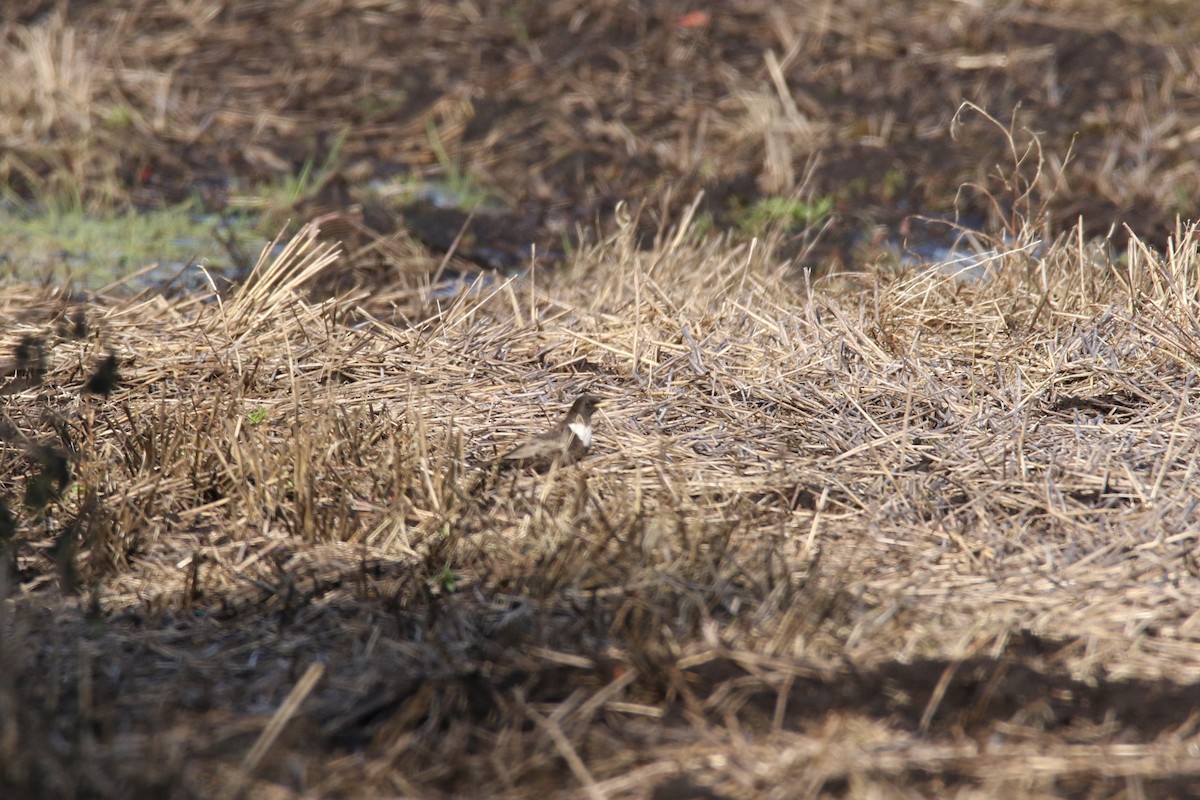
887	534
880	534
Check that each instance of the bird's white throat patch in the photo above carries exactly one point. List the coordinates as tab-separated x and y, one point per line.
583	432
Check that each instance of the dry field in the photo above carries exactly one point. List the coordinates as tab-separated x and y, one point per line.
885	535
870	532
561	109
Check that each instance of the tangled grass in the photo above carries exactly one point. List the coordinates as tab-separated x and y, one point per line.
890	533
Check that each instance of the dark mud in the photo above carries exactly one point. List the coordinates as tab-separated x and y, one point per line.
562	110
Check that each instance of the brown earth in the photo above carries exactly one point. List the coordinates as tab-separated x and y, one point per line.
564	109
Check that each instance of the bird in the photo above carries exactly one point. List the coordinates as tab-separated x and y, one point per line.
563	444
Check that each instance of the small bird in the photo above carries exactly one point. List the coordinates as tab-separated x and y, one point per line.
563	444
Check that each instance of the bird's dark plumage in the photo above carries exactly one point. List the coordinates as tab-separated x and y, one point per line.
563	444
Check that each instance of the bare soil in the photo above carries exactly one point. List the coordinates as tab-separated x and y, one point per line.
564	109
